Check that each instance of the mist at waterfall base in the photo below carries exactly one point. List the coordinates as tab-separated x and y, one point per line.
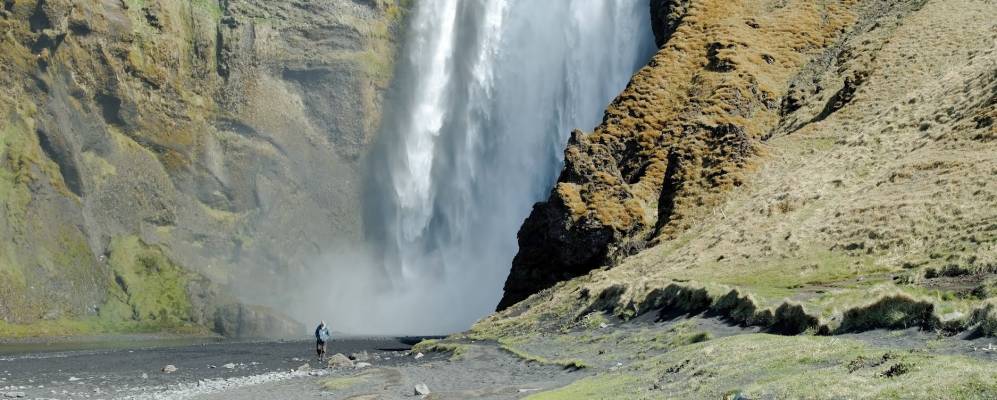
485	95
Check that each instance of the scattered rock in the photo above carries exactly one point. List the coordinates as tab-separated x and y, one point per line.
232	366
363	356
339	361
145	375
422	390
14	395
897	369
169	369
362	365
419	355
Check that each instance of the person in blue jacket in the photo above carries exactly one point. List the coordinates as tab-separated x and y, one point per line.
321	337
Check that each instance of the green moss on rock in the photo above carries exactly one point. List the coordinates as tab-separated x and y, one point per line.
149	283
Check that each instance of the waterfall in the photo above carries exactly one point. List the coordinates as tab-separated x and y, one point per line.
485	96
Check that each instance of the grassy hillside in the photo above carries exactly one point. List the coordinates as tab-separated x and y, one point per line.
815	169
889	196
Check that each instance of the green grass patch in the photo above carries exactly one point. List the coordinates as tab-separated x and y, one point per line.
789	367
93	326
456	350
610	386
571	364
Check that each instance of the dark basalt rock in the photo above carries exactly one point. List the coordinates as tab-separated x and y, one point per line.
551	251
666	15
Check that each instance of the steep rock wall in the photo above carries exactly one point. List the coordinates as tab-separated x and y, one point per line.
224	135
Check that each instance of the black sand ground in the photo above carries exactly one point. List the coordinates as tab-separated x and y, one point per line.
119	368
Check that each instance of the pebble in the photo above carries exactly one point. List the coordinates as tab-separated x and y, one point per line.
169	369
229	366
13	395
421	389
419	355
207	386
362	365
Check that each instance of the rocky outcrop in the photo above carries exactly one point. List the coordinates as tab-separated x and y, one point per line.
228	134
666	15
677	139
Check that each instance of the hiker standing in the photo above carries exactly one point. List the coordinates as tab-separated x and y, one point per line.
321	337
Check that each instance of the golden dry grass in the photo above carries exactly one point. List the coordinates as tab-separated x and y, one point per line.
882	213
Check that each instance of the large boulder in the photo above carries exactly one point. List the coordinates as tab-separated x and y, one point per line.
339	361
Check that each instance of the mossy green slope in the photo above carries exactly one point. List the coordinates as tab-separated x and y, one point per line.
801	367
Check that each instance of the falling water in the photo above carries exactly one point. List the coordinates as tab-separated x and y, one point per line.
484	99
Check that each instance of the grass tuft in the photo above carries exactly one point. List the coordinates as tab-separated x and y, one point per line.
456	350
573	364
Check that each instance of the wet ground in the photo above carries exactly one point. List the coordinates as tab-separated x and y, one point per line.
134	368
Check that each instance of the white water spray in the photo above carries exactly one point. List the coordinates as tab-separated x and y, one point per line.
484	100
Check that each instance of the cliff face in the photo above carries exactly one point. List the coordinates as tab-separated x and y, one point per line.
736	86
181	144
676	139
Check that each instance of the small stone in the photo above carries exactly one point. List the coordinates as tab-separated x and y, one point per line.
603	325
145	375
304	368
14	395
419	355
362	365
422	390
232	366
169	369
73	379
